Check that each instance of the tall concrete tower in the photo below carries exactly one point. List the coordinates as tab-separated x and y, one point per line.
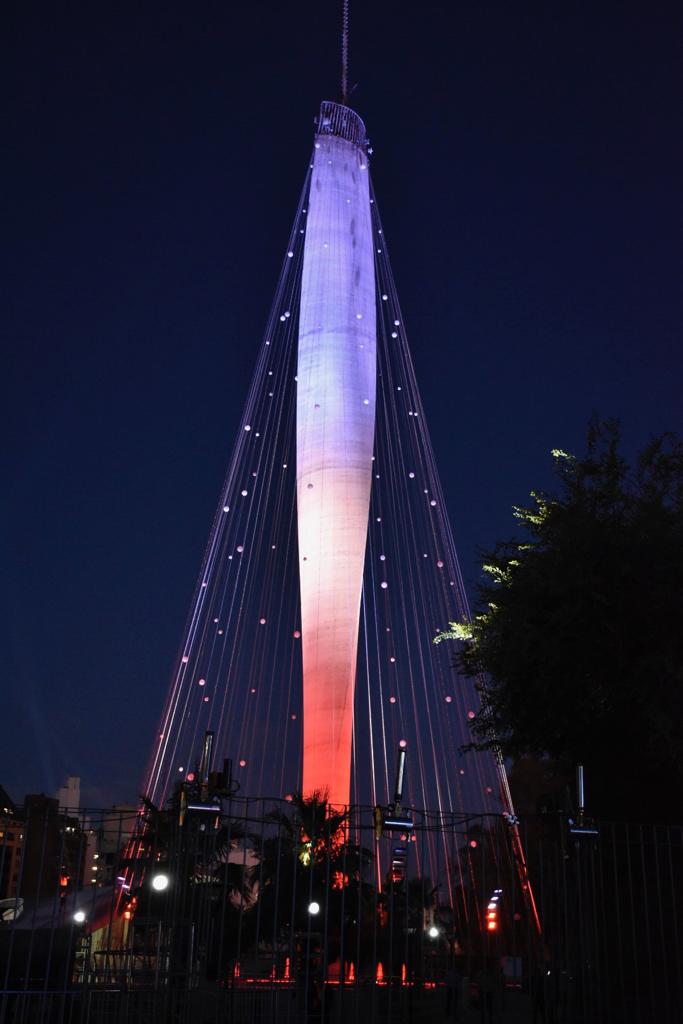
335	426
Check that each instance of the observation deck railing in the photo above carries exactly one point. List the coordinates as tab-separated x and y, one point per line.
336	119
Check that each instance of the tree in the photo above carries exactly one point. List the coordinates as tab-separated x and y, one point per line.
578	646
311	858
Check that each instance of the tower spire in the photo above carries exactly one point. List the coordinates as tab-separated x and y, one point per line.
345	52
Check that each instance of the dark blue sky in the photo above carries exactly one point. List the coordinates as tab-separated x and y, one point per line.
528	164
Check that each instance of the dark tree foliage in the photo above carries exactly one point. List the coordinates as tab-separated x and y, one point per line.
580	634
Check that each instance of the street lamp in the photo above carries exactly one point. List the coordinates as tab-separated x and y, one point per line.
314	908
79	916
433	932
160	882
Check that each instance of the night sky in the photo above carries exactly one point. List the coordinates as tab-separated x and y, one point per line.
528	164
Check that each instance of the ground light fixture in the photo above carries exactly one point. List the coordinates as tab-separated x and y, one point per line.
433	932
314	908
160	882
79	917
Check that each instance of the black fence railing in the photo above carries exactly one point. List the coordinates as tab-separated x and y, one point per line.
268	911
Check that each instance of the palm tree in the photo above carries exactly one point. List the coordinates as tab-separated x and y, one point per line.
314	831
310	859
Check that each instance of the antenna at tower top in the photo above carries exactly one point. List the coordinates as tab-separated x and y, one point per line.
345	51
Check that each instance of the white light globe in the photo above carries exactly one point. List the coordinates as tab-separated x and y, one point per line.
314	908
433	932
79	916
160	882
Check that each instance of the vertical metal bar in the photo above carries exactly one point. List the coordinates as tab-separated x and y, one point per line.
618	914
674	915
634	941
373	964
663	954
584	856
345	884
598	962
308	982
37	893
359	917
7	1001
325	932
646	917
241	912
221	966
565	912
601	915
297	969
538	971
70	959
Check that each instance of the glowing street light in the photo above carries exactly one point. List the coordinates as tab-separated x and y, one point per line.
314	908
160	882
433	932
79	916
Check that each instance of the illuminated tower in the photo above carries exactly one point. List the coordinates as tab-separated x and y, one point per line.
330	565
335	427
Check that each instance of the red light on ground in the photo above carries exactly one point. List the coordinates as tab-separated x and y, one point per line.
473	843
190	776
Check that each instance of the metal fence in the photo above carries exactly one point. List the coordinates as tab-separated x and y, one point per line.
263	911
